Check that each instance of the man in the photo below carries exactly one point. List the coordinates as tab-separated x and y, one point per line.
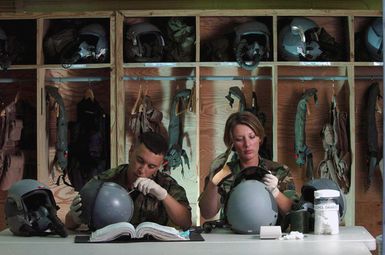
157	196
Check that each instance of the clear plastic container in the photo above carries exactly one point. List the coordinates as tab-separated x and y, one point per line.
326	208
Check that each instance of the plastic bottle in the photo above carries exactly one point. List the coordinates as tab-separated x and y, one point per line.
326	207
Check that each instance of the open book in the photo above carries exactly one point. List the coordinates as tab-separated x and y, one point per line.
127	230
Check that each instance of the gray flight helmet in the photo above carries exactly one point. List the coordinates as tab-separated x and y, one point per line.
30	210
250	205
144	42
105	203
97	45
294	41
374	40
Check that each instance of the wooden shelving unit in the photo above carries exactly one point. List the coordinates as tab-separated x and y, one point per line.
278	84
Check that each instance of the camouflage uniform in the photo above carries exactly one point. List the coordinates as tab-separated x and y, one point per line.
148	208
282	172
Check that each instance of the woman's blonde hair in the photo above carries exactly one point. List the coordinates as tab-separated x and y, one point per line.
243	118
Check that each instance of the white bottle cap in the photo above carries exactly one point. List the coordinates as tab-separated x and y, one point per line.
326	193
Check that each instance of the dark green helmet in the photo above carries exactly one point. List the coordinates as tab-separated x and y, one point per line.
322	183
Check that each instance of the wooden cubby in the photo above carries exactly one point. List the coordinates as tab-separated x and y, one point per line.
277	82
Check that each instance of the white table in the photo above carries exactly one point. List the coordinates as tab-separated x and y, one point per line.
350	240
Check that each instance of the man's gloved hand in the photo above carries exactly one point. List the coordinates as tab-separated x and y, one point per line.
148	186
272	184
75	209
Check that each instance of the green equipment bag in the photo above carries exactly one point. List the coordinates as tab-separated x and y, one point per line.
181	36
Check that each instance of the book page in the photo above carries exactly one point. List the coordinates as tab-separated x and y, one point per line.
112	232
158	231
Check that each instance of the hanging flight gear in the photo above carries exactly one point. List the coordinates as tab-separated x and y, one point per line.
144	42
11	156
180	104
372	97
61	154
303	153
335	140
30	210
237	92
251	44
181	40
89	144
145	117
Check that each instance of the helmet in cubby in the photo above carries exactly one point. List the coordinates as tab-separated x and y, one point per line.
374	40
251	44
299	40
144	42
90	46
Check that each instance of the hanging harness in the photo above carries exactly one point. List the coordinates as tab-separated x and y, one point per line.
175	154
335	140
11	156
236	91
61	155
145	117
89	144
372	134
303	153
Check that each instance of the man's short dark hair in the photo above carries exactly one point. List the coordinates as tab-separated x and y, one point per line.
154	142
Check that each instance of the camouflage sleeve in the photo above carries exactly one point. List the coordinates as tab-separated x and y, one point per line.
175	190
114	175
179	194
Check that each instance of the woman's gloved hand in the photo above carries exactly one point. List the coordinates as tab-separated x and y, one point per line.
271	182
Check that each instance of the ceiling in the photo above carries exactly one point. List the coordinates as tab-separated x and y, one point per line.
107	5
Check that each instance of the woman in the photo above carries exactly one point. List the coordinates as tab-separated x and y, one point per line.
244	134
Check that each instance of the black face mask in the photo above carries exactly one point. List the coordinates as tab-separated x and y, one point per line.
251	173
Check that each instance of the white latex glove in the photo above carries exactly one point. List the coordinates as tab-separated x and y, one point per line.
75	209
148	186
272	184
